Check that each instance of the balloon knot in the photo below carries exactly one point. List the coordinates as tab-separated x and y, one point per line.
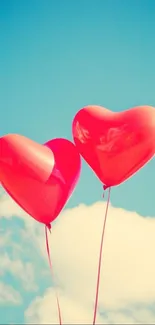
49	227
105	187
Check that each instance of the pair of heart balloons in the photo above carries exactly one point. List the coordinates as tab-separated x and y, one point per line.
41	178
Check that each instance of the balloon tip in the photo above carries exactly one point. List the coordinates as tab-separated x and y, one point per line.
48	226
105	187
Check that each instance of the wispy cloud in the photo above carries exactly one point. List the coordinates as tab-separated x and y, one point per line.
17	268
8	295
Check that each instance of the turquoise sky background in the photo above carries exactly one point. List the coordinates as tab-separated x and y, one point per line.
58	56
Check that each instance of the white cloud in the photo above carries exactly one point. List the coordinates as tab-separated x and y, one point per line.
128	264
8	208
4	239
128	269
9	295
44	310
23	271
127	285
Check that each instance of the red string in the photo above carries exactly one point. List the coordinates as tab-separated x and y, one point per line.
50	263
100	259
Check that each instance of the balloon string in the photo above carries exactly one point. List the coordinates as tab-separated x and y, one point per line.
100	259
50	264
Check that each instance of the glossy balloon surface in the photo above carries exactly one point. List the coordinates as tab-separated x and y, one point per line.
40	178
115	145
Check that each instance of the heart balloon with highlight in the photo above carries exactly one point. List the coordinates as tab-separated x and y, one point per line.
115	144
40	178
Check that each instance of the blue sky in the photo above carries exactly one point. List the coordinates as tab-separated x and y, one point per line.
58	56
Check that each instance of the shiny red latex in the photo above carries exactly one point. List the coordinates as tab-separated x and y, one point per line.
40	178
115	144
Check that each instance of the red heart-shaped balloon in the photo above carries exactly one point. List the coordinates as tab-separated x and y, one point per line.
115	144
40	178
